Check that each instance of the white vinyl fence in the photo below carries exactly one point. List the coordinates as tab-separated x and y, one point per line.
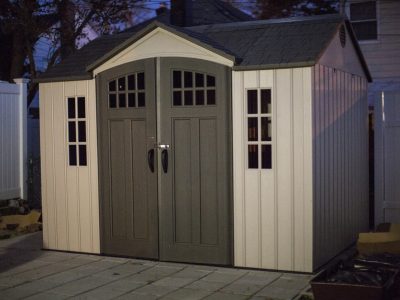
13	137
387	157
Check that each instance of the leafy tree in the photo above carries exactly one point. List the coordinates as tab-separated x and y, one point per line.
63	24
267	9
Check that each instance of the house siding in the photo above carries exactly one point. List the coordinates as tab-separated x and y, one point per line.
382	55
69	193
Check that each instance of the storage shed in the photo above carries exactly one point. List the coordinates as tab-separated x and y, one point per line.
239	144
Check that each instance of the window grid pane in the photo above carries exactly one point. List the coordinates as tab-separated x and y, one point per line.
266	107
364	21
71	108
81	108
363	11
266	156
193	88
266	129
72	155
76	129
252	102
259	128
365	30
253	156
252	124
127	91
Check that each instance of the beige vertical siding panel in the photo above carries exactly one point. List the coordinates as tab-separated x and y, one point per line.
267	78
268	221
49	167
59	167
350	166
284	169
267	191
252	196
70	197
238	104
273	223
330	168
341	150
308	171
44	98
347	151
251	79
340	143
93	164
85	219
298	170
72	186
84	185
73	210
315	155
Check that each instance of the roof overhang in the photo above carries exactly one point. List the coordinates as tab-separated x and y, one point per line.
358	49
89	76
180	32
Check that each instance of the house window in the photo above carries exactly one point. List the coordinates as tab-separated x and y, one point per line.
259	128
127	91
76	129
364	20
193	89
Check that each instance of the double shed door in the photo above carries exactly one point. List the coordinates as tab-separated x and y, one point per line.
165	181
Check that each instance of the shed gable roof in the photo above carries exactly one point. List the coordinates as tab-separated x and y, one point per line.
147	45
267	44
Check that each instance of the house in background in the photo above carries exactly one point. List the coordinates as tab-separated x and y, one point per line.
377	27
239	143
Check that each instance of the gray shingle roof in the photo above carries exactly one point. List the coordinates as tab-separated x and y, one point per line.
267	44
275	43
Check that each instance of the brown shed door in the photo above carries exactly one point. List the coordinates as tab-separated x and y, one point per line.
128	187
189	220
195	189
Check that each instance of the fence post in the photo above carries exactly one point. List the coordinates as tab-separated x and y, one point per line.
23	152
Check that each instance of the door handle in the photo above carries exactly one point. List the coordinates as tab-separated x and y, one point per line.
150	160
164	160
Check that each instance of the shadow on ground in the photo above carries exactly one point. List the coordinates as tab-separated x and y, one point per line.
20	250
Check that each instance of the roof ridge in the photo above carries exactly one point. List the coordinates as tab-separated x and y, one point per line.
234	11
258	23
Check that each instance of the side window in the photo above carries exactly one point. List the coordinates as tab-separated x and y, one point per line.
193	88
76	128
259	129
364	20
127	91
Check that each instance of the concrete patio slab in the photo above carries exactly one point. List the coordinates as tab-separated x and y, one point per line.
27	272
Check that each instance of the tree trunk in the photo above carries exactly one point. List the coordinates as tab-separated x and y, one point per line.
66	9
18	55
5	51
